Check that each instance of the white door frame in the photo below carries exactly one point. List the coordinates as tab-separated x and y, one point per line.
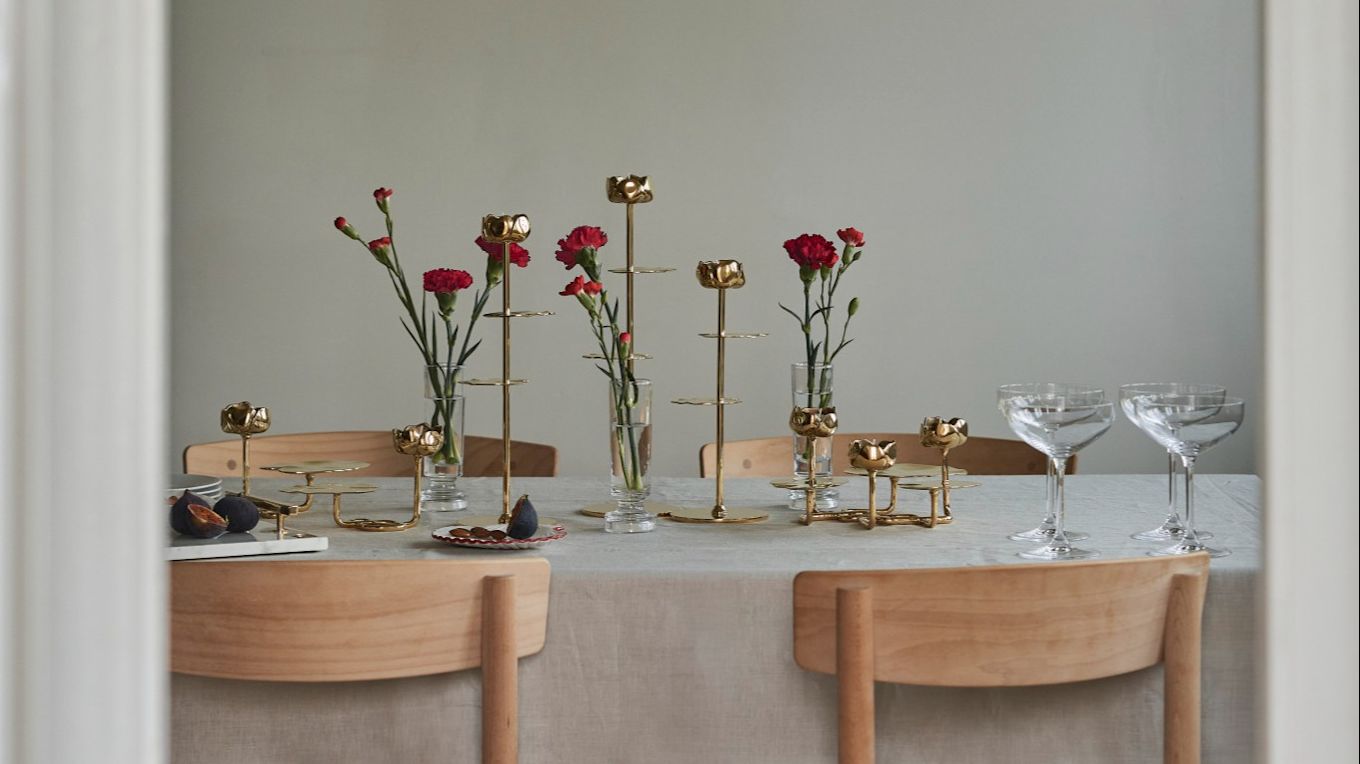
1309	452
82	380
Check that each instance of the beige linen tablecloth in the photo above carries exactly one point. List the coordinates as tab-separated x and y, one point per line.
676	646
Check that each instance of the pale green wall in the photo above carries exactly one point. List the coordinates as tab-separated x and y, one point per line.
1050	190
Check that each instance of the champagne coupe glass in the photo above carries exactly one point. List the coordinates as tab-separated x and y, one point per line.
1059	428
1044	531
1171	528
1189	425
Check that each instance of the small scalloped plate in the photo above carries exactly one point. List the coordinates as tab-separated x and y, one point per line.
444	535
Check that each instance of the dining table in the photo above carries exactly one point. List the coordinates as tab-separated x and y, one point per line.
677	645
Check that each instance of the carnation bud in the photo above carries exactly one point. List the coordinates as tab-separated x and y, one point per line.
344	227
853	308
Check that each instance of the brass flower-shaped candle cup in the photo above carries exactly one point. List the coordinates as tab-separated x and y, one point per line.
418	440
628	189
872	455
813	421
501	229
244	419
720	274
937	432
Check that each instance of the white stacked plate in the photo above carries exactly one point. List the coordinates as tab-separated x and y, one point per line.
209	488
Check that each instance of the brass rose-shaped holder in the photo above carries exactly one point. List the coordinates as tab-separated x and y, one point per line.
245	420
416	441
813	422
874	456
629	190
721	275
943	434
505	230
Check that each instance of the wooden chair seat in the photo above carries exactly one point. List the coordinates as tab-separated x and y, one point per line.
335	621
481	457
773	457
1004	626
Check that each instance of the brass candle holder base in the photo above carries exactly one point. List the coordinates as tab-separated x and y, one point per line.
718	515
309	470
335	491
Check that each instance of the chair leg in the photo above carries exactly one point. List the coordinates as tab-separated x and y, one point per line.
500	672
855	673
1181	656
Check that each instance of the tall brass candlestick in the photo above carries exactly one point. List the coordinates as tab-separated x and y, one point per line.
721	275
629	190
506	230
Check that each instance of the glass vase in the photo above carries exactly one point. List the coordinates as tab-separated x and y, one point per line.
630	455
812	386
439	491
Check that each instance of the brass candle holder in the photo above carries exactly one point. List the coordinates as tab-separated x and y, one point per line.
865	460
814	423
720	275
944	434
245	420
630	191
504	230
417	441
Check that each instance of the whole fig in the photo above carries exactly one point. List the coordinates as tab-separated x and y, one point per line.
205	523
523	519
179	512
241	513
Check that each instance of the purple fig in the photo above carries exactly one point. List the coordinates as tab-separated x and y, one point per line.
241	513
205	523
523	519
179	513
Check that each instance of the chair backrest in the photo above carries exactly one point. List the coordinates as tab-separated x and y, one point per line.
482	456
326	621
773	457
1005	625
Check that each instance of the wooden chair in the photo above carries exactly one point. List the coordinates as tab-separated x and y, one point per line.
481	458
337	621
773	457
1004	626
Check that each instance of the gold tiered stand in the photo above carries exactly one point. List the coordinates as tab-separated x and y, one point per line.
505	230
721	275
629	190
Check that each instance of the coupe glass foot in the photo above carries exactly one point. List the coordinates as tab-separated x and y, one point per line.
1184	548
1058	553
1042	535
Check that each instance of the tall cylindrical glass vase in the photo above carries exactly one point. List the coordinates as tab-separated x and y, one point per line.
630	456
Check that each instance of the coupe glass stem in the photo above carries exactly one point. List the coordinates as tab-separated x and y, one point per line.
1173	518
1050	477
1058	506
1189	538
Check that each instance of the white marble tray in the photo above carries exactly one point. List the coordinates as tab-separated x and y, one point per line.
243	545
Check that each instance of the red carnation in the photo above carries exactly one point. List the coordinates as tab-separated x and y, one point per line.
378	246
518	255
581	237
812	251
446	280
382	194
341	224
593	287
625	338
851	236
574	288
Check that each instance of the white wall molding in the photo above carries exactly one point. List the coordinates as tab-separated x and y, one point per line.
82	295
1310	592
